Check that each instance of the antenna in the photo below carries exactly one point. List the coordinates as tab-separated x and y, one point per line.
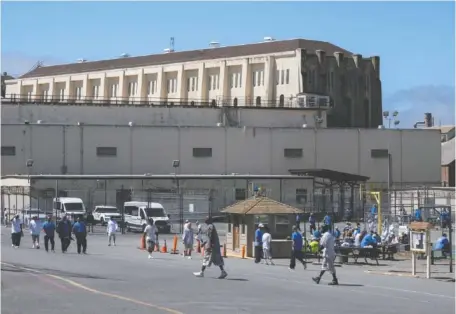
171	43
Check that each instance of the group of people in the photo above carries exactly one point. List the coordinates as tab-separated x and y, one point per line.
209	240
326	245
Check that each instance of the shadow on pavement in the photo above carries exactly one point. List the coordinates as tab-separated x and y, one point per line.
53	272
350	285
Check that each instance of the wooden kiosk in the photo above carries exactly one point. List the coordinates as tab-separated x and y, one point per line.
420	244
244	218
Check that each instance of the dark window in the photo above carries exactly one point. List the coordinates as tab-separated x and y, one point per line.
240	194
8	151
379	153
106	151
258	101
301	196
292	152
366	113
202	152
281	101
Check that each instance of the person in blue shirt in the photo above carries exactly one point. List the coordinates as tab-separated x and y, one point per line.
327	221
312	222
369	240
374	210
49	232
444	218
296	251
317	234
259	243
80	231
442	244
418	215
337	233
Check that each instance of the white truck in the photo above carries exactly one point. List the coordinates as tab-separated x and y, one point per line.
103	213
138	213
70	206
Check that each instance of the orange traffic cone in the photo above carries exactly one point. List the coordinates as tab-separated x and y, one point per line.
164	249
142	243
174	250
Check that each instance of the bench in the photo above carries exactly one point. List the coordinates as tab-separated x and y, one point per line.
355	252
388	251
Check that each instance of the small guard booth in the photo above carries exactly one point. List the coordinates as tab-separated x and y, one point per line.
244	218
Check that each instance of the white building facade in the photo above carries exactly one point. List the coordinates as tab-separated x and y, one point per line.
268	74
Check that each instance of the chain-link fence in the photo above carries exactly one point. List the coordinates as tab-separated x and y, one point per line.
189	197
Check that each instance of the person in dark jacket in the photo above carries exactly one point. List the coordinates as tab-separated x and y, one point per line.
80	231
64	232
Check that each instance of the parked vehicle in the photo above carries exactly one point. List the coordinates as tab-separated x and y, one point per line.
73	207
137	214
32	212
102	214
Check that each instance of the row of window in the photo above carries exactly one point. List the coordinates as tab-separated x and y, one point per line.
330	81
197	152
283	77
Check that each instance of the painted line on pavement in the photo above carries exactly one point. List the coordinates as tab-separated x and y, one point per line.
94	291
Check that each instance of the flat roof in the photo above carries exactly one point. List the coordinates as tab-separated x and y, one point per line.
152	176
332	175
186	56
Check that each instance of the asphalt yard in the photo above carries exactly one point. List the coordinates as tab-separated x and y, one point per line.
122	279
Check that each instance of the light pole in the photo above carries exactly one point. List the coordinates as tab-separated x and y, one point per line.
176	165
391	117
29	165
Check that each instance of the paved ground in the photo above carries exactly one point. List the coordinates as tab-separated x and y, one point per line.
122	280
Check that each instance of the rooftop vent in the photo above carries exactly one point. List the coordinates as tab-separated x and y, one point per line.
124	55
168	50
214	44
268	38
81	60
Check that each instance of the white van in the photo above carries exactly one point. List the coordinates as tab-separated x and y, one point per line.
137	214
70	206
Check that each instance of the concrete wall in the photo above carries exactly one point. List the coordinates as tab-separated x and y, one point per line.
234	150
273	117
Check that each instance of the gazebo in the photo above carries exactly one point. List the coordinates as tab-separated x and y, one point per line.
245	216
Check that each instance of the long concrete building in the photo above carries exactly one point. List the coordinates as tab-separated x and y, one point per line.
68	148
289	73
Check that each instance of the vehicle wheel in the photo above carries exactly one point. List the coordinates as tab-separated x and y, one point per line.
102	222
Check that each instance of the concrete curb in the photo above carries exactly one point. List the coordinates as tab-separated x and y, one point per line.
237	256
388	273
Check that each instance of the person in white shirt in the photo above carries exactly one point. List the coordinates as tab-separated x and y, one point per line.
329	255
16	231
187	239
266	239
151	233
111	231
35	229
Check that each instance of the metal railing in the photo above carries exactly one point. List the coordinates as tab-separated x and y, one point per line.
152	102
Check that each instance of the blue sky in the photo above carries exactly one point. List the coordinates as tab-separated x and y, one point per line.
415	40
